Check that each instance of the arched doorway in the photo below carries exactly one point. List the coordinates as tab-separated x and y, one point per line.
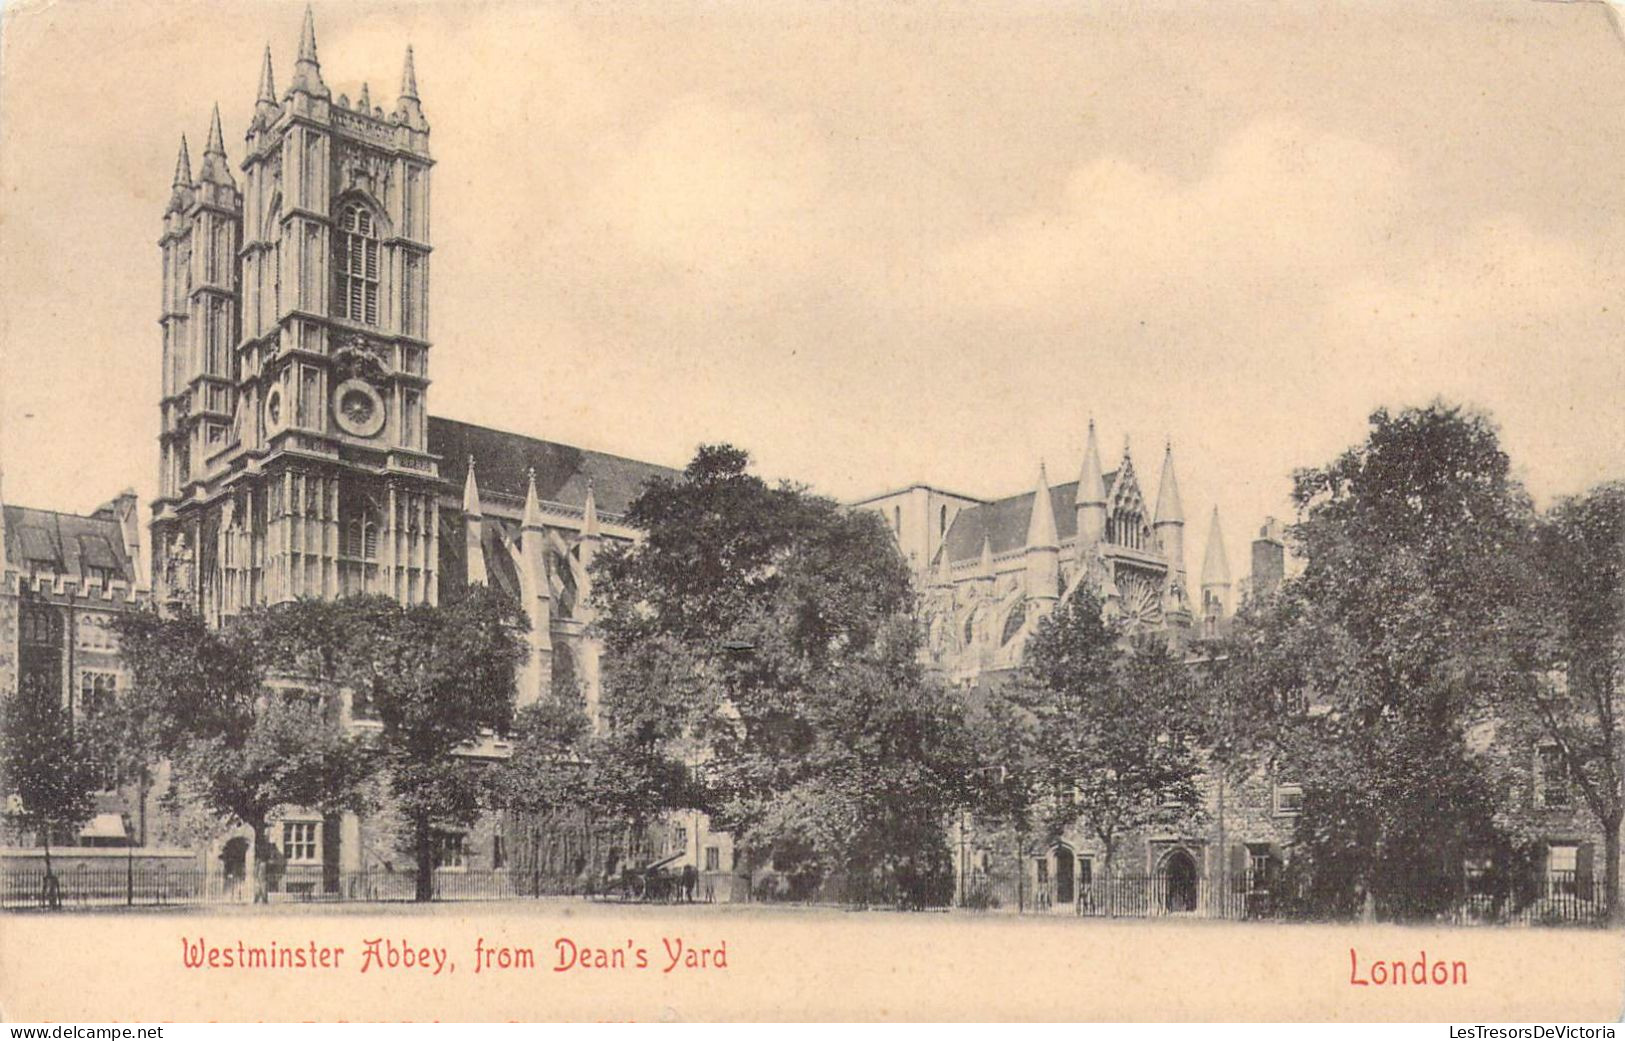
1179	882
234	865
1065	878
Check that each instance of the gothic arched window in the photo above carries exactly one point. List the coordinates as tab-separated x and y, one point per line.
356	263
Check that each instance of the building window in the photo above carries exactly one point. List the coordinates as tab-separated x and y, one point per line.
299	842
713	858
1288	800
96	690
1552	781
356	263
679	837
1562	865
499	852
448	851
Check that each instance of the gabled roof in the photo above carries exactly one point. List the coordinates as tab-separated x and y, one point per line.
66	543
1005	521
503	460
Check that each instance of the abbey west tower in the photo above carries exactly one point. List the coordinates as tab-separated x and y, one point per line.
294	445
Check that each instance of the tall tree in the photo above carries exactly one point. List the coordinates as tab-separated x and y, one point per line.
738	634
1396	624
49	769
244	736
1114	725
437	678
1571	683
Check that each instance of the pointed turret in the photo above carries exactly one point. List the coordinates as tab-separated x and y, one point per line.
1091	501
1215	564
409	77
1043	549
1215	572
216	167
474	529
267	79
1041	523
589	515
1169	508
1169	526
408	108
307	71
471	493
591	536
533	505
364	102
985	566
183	167
181	195
538	597
266	109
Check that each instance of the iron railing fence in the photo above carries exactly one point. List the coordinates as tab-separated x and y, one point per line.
1555	898
146	886
110	885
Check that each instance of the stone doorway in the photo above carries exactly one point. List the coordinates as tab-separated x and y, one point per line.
1179	882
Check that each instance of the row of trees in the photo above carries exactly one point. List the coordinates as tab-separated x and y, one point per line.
248	718
763	665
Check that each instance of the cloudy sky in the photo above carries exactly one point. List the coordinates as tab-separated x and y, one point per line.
879	243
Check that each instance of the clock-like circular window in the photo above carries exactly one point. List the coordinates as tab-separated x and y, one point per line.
273	409
358	408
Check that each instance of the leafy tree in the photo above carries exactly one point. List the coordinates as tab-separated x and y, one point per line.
1114	725
51	771
1239	703
1576	656
243	735
437	678
1009	781
1397	628
747	634
890	760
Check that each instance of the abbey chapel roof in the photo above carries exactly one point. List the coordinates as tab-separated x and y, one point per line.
502	462
1004	522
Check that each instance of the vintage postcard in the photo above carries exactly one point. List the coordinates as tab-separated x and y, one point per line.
811	511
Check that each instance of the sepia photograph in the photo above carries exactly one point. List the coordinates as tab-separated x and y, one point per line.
1067	510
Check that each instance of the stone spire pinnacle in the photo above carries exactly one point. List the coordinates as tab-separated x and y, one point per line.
364	102
1215	565
307	71
1169	509
217	140
1041	525
408	110
473	530
409	77
216	168
266	108
267	80
533	506
307	38
183	167
180	196
589	515
986	566
471	493
1091	482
